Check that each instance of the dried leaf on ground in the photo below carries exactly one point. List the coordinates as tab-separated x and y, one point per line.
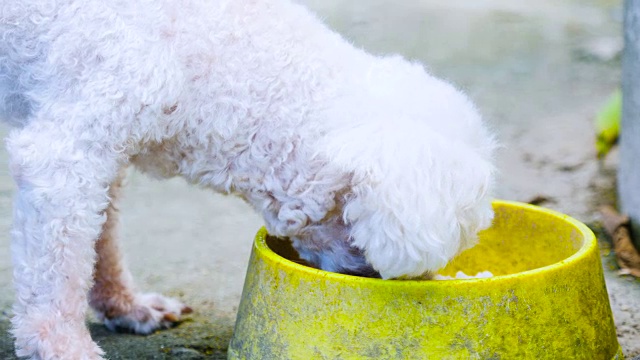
617	226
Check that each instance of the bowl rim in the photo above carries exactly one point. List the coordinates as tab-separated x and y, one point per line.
263	250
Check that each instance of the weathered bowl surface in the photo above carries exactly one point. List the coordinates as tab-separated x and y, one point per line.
548	300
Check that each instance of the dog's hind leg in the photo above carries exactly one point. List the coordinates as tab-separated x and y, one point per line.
62	176
113	296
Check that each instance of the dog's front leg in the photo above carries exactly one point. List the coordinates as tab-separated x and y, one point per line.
113	296
58	214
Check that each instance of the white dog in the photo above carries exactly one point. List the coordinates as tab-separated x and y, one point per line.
370	165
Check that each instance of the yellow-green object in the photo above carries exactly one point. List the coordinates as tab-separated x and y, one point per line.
608	124
548	301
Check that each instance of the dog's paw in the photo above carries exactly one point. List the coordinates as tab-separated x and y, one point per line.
149	312
53	339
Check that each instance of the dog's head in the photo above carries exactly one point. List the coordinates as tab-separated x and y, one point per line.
401	180
420	162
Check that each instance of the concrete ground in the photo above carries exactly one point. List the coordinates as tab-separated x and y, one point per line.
538	71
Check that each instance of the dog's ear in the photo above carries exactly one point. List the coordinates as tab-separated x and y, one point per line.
421	161
413	212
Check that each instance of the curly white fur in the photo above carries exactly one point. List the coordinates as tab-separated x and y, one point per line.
368	164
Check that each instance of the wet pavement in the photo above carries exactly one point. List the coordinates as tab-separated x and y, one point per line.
538	72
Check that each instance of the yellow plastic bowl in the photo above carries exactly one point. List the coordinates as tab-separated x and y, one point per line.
548	300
